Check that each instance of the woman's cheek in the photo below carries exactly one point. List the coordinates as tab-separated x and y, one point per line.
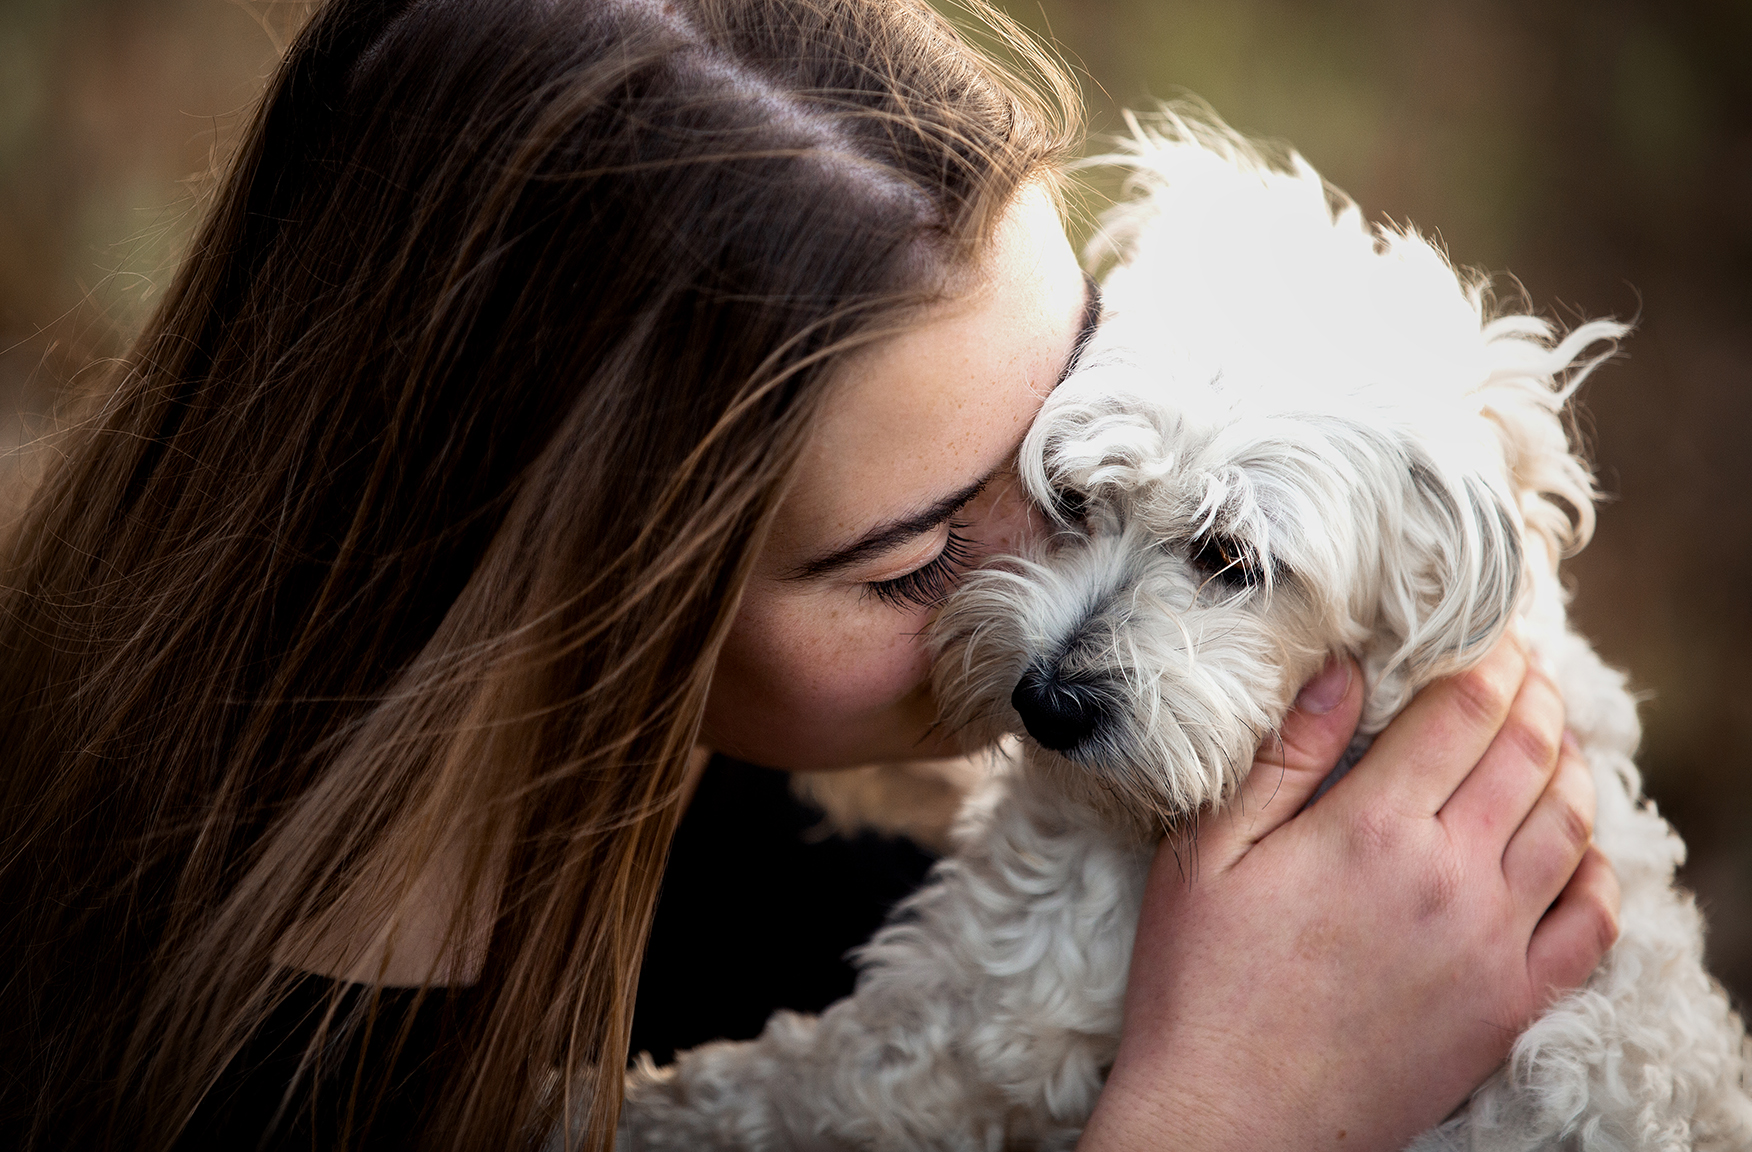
807	683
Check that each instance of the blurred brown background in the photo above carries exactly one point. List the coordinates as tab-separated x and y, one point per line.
1598	150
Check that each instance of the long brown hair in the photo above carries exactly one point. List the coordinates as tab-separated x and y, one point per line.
418	513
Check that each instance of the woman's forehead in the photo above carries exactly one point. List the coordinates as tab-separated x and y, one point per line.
936	408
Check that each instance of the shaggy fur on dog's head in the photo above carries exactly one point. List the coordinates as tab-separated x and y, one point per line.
1294	434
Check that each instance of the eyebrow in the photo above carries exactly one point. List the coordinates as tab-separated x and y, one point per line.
880	539
895	532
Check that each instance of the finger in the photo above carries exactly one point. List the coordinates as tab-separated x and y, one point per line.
1495	798
1573	936
1431	746
1289	766
1542	855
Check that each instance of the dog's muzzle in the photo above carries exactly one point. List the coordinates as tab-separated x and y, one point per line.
1059	713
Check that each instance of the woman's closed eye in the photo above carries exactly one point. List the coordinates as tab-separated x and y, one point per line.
928	585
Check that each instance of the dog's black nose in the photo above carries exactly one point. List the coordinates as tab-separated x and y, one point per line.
1060	714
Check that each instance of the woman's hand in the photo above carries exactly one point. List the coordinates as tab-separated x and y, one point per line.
1344	977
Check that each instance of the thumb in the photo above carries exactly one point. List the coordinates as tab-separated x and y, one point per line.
1291	763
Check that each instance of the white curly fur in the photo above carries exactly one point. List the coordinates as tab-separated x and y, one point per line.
1336	411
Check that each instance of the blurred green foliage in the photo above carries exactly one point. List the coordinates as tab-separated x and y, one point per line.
1600	150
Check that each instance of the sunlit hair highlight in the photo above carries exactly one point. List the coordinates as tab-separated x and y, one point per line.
417	515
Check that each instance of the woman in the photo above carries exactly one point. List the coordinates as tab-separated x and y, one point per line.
555	389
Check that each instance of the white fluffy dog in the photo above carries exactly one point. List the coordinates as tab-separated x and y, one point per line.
1293	435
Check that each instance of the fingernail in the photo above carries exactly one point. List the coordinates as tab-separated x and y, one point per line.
1323	693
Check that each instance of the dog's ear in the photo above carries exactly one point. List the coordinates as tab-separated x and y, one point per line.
1478	523
1454	570
1526	398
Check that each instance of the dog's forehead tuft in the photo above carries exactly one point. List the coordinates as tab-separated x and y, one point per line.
1246	294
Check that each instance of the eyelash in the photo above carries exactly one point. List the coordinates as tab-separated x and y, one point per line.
929	585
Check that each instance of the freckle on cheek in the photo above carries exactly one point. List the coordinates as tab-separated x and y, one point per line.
1316	941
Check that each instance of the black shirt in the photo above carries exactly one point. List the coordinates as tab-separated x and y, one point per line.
264	1102
758	910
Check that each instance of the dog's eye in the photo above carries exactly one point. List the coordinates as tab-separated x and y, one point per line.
1225	560
1069	505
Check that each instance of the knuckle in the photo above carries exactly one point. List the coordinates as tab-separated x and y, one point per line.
1416	874
1603	897
1574	818
1439	888
1481	696
1606	925
1532	742
1376	832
